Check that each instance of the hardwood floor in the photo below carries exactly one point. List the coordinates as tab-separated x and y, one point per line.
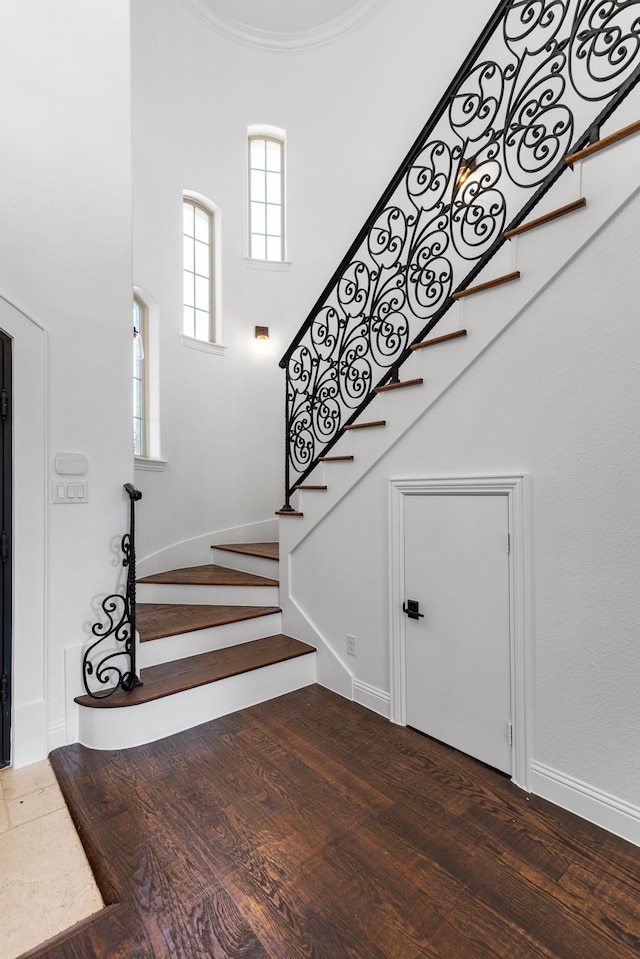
310	827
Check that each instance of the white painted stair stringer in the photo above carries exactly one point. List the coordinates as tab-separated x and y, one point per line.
128	726
608	180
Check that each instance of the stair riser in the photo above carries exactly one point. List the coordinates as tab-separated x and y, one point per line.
169	648
124	727
248	564
207	595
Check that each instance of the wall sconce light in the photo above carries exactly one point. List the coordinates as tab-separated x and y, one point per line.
261	333
467	167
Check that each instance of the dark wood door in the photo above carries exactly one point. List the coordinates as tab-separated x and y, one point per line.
5	548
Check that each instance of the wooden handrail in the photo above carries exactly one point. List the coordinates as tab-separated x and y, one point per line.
603	143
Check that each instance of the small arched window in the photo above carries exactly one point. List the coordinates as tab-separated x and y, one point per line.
198	270
266	197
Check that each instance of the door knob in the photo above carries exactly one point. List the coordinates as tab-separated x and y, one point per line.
412	609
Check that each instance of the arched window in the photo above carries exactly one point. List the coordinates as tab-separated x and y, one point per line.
146	382
198	270
140	377
266	196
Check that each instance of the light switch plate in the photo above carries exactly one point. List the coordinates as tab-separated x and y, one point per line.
76	491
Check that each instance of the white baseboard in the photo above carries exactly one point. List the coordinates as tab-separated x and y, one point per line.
375	699
73	687
57	734
616	815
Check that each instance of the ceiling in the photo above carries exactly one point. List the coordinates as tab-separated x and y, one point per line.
283	25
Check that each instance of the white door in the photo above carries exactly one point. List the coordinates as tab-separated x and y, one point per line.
458	669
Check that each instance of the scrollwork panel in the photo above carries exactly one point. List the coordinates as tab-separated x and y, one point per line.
546	71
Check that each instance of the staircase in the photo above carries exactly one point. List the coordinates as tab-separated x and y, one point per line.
399	314
605	175
210	635
209	645
335	506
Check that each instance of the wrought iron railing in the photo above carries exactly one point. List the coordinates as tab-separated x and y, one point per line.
538	84
110	661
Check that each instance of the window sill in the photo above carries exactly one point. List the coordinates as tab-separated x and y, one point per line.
275	266
204	346
149	463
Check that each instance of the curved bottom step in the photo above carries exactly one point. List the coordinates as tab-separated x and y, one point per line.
185	693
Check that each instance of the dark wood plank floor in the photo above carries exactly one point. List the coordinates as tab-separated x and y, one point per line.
310	827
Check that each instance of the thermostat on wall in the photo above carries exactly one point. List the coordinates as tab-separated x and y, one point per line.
71	464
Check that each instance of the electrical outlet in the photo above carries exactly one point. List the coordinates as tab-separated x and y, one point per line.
351	645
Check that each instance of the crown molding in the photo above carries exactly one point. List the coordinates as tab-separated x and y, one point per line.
282	41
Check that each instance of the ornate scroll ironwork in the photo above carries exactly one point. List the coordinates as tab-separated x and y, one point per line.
114	665
543	75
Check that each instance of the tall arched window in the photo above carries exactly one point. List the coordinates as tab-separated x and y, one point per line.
146	382
198	270
140	378
266	197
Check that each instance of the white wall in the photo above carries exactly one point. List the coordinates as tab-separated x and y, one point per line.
351	110
555	397
65	261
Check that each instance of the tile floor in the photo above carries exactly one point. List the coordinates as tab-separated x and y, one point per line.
46	884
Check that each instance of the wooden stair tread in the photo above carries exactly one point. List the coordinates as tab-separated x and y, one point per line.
488	285
603	143
546	218
309	486
157	620
336	459
289	512
263	550
438	339
417	381
365	426
182	674
208	575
